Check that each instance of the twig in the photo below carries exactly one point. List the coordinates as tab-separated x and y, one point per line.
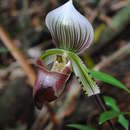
42	117
119	22
52	115
117	55
68	105
17	54
8	42
118	5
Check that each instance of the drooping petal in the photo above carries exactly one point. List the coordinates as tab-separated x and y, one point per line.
82	73
69	29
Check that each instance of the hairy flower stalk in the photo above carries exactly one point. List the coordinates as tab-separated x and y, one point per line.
72	34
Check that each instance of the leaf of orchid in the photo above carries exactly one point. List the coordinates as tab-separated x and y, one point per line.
123	121
80	70
108	79
111	102
49	55
108	115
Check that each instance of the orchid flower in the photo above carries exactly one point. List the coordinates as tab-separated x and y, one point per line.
72	34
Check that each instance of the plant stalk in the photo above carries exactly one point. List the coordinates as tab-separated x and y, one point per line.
101	105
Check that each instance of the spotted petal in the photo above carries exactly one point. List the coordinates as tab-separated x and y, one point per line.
69	29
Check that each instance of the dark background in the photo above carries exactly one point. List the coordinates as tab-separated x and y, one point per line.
22	23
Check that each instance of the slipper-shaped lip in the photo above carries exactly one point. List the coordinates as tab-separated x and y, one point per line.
49	85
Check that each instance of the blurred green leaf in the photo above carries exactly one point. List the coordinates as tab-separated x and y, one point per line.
88	60
108	115
123	121
98	32
111	102
109	79
3	50
81	127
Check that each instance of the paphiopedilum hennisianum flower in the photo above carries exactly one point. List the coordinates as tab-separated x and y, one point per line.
72	33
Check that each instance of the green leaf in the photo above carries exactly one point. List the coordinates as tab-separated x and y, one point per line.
108	115
123	121
109	79
81	127
111	102
80	70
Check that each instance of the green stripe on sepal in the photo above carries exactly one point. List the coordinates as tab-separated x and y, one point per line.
49	55
51	52
80	70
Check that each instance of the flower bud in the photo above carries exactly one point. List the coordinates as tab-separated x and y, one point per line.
70	30
49	84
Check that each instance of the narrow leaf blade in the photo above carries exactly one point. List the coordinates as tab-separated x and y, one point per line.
123	121
109	79
108	115
111	102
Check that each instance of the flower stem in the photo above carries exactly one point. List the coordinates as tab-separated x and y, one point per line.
100	103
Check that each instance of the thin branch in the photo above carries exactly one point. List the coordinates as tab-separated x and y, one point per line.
118	22
52	115
42	117
117	55
18	55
